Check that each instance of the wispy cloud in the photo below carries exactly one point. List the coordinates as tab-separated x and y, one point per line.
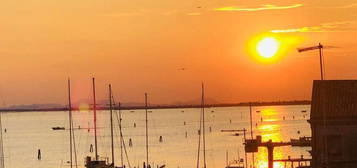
194	13
264	7
345	6
171	12
123	14
350	6
344	26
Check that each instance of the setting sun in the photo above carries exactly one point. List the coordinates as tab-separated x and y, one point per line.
267	47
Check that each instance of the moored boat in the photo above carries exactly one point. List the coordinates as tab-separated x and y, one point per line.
302	141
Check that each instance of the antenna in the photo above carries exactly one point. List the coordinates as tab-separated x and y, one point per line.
320	47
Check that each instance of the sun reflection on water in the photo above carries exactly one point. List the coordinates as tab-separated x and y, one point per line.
270	129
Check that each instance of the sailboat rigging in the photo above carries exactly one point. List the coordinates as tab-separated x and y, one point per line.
122	142
96	163
72	142
147	163
202	130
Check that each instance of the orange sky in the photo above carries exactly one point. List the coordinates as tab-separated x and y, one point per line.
139	45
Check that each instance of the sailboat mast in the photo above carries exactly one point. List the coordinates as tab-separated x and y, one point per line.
70	120
95	120
203	125
111	122
1	145
2	159
146	127
121	136
251	129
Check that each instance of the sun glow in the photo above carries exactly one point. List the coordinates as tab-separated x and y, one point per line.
267	47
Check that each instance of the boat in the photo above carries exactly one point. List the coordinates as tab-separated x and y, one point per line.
236	164
258	111
58	128
303	111
302	141
96	161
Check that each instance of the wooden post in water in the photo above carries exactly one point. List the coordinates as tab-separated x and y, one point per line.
226	158
39	154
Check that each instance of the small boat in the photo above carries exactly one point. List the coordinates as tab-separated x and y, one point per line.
302	141
236	164
303	111
258	111
58	128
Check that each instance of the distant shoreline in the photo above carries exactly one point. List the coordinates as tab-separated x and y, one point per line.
279	103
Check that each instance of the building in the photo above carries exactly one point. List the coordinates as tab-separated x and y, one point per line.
334	124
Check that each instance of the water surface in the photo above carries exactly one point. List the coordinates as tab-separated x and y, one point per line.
29	131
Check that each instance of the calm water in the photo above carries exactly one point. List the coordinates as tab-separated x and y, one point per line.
29	131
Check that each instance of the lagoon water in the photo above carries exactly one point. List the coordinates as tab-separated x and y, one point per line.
29	131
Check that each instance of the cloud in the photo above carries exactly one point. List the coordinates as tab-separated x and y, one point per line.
122	14
264	7
194	13
343	26
346	6
350	6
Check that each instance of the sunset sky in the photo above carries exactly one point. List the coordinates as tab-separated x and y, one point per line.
143	46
